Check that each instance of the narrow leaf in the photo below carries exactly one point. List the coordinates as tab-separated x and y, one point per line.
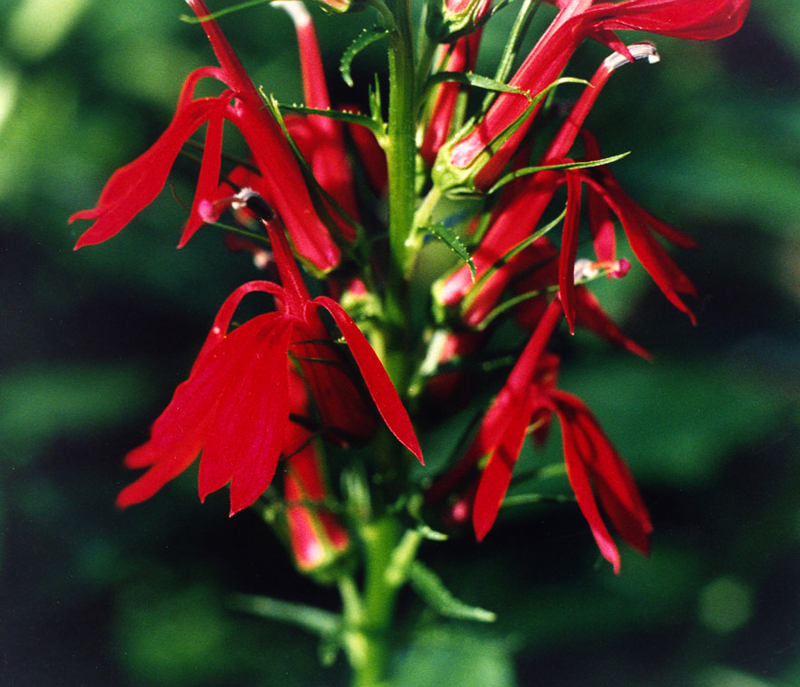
583	164
367	37
451	240
477	80
221	13
432	590
338	115
315	620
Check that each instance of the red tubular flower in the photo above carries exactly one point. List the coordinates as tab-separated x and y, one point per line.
639	226
320	139
461	58
525	200
317	538
133	187
576	21
235	406
522	206
593	466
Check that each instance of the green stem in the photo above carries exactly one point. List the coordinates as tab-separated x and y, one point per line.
401	151
387	557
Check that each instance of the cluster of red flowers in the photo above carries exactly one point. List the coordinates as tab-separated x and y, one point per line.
282	384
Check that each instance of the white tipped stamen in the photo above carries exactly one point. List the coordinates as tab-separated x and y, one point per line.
640	51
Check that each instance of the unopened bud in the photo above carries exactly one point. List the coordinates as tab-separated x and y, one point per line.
451	19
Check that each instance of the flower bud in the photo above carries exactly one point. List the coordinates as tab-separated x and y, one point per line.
318	540
451	19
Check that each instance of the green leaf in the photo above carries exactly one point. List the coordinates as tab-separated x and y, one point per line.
477	80
451	240
315	620
432	590
521	24
338	115
367	37
583	164
221	13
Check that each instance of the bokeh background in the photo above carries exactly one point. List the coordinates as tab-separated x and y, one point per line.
93	343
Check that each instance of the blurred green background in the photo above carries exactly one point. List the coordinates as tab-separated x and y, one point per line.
94	342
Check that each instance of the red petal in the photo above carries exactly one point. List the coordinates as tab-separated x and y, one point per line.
134	186
245	349
569	248
589	314
377	380
208	180
591	459
687	19
516	414
580	482
260	426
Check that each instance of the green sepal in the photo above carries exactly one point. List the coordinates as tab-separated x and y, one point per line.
366	38
583	164
518	31
431	589
472	79
459	181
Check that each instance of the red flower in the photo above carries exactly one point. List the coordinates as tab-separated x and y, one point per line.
133	187
523	204
576	21
320	139
605	193
235	406
317	538
460	57
594	468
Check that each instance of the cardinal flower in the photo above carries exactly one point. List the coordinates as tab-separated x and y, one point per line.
133	187
594	468
461	56
523	204
317	538
236	406
472	156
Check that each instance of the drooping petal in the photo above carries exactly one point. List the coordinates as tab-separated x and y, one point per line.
569	248
496	477
179	433
594	465
134	186
590	315
228	436
208	180
375	376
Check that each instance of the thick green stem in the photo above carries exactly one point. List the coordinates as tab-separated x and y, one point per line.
401	150
369	617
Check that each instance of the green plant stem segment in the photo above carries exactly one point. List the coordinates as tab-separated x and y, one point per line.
401	152
388	556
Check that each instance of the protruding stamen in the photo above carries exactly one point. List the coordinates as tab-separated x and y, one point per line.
646	50
248	198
